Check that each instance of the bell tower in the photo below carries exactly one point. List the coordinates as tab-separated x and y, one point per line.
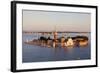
55	34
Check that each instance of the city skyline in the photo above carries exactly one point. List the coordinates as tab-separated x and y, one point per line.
47	21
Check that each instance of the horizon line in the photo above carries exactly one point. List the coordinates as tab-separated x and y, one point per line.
53	31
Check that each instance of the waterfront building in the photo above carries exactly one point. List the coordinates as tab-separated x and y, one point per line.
49	42
62	41
83	43
70	42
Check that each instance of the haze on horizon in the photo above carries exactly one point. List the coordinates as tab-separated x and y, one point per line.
48	21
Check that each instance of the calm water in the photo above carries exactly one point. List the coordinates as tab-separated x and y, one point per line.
33	53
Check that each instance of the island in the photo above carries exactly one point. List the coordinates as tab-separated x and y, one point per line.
59	42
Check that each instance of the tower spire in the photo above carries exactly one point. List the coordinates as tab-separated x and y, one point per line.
55	37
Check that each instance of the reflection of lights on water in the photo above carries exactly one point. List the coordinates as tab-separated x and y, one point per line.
70	47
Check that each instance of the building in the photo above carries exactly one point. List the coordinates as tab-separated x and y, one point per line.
70	42
62	41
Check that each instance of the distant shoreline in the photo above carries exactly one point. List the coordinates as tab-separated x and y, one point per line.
52	31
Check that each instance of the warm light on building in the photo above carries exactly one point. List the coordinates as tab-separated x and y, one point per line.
83	43
70	42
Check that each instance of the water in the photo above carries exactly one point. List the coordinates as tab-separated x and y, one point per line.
33	53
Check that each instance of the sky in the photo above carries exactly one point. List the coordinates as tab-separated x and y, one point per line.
48	21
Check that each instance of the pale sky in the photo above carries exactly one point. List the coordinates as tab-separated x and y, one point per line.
63	21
